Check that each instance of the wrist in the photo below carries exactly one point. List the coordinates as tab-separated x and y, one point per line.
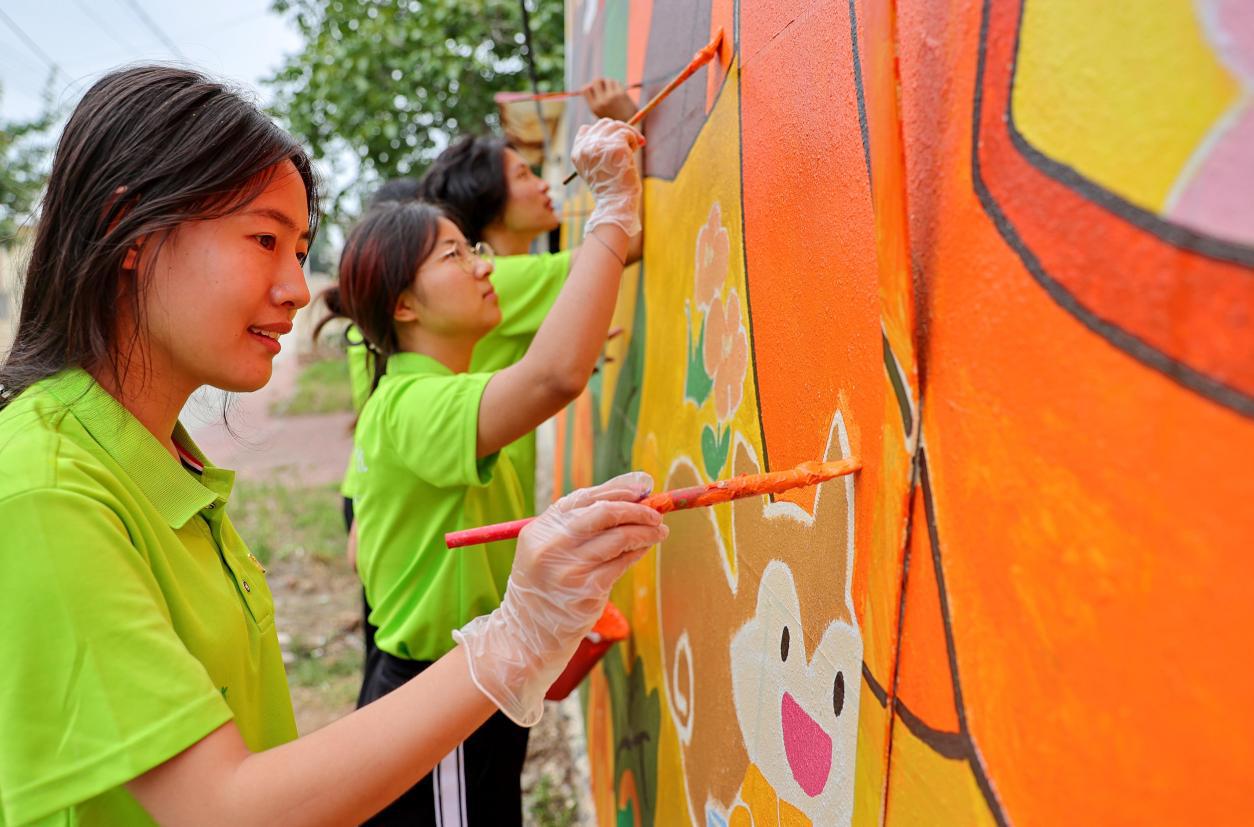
617	247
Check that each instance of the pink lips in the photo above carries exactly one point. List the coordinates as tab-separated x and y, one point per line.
808	747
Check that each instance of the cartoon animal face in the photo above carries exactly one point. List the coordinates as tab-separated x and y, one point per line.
798	714
771	644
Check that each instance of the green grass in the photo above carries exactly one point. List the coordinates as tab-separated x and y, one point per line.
314	669
549	805
322	387
279	518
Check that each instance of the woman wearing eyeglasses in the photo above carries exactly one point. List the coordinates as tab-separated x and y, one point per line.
428	445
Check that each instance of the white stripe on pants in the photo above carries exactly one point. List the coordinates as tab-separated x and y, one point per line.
448	787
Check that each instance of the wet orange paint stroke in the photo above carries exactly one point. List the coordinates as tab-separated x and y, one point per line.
696	496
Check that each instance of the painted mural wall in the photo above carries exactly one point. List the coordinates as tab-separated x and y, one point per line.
1002	252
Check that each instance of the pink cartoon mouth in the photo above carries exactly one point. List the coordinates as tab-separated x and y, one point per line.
808	747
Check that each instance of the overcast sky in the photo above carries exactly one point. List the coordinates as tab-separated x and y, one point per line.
237	39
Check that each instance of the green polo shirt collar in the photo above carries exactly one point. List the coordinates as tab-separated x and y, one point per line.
410	363
176	494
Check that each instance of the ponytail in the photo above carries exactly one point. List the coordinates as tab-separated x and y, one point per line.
380	259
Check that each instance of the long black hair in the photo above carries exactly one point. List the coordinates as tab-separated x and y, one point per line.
380	260
146	149
468	181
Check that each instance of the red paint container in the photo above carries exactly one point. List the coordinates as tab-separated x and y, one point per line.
609	629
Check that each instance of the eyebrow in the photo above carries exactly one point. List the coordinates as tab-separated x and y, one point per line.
281	217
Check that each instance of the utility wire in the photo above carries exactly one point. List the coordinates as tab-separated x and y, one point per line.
154	28
30	44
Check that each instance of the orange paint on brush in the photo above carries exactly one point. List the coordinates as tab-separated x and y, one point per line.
749	485
697	496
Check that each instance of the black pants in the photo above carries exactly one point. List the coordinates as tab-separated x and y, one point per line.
368	631
478	783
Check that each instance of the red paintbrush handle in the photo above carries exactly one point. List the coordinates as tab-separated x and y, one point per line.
486	533
697	496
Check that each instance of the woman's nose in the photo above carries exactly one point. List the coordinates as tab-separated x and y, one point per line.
291	289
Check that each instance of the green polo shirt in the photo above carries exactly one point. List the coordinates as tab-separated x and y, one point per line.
417	478
526	287
134	621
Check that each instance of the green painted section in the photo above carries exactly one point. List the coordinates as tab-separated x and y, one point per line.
614	40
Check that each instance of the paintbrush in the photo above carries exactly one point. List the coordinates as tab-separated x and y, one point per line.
702	57
697	496
514	97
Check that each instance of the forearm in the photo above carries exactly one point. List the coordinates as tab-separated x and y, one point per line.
341	774
568	343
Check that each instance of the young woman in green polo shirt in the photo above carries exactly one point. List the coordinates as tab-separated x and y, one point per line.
142	676
492	194
429	441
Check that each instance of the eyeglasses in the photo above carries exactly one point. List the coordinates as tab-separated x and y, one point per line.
465	255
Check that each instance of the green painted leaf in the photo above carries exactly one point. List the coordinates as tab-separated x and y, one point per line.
714	450
698	384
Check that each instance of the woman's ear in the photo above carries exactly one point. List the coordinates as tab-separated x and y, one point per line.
406	307
131	260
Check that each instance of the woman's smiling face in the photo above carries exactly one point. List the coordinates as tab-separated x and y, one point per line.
221	291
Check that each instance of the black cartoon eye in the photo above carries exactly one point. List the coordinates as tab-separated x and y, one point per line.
838	693
783	645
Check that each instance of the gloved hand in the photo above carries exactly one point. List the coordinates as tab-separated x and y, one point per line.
565	563
605	157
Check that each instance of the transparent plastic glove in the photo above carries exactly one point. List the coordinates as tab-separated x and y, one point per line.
566	562
605	158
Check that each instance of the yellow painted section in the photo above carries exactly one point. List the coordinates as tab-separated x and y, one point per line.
1124	92
927	789
868	782
670	426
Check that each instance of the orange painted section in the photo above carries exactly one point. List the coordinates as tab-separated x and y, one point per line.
639	18
799	271
722	19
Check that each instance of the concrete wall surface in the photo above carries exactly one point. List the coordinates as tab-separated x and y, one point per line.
1003	253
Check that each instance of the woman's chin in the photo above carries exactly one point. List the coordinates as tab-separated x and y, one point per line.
245	383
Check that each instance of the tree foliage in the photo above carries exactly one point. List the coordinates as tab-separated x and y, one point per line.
24	148
387	82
